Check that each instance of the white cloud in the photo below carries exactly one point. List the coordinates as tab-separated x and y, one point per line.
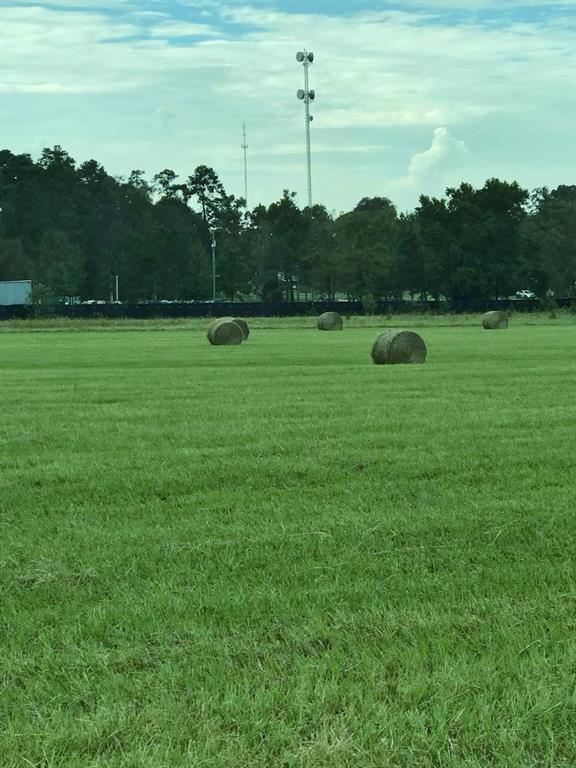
56	88
320	148
474	5
131	90
442	159
71	5
446	162
171	29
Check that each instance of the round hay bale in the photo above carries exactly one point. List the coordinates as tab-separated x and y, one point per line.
224	331
493	321
243	326
396	346
330	321
217	320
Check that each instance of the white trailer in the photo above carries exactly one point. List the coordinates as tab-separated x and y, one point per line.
14	292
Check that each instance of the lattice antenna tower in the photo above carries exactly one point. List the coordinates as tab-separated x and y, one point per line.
244	146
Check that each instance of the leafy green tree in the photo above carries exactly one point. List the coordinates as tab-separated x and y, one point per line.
137	241
101	214
470	241
256	238
137	180
435	241
41	299
59	265
235	269
366	244
14	264
287	249
548	240
25	208
75	228
410	260
180	269
164	183
206	187
58	185
322	265
486	227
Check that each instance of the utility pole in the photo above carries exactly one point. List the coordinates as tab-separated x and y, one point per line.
213	244
245	147
307	95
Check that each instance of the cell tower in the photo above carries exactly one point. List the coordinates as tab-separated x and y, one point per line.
245	147
307	95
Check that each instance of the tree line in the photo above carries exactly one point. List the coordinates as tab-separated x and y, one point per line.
73	228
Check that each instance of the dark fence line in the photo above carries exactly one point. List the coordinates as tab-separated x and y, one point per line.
270	309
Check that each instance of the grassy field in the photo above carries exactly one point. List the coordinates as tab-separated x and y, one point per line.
430	319
279	555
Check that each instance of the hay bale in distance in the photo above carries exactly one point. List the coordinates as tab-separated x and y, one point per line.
217	320
224	331
397	346
493	321
243	325
330	321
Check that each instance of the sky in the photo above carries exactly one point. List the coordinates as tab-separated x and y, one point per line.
412	96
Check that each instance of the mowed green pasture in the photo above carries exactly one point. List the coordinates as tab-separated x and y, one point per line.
280	555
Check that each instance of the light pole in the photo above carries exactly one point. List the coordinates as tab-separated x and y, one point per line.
307	95
213	244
